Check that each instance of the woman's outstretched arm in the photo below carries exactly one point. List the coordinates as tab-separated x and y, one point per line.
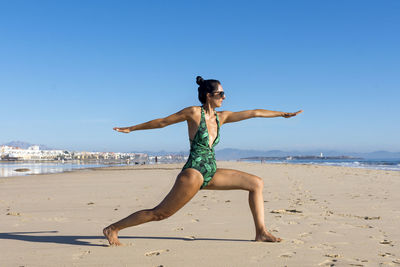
229	116
180	116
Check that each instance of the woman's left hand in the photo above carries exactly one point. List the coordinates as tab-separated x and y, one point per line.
122	130
291	114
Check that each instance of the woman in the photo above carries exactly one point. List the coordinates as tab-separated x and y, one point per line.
200	171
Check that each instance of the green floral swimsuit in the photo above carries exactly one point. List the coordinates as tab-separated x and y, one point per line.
202	156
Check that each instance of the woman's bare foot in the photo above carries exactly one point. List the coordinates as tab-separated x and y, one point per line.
112	236
265	236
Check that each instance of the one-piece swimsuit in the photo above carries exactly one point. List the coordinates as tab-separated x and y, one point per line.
202	156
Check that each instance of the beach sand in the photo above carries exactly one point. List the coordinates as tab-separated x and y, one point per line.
325	215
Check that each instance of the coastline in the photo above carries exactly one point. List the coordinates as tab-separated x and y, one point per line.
325	214
23	168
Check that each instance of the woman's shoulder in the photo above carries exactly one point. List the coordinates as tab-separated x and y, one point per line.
192	109
223	112
190	112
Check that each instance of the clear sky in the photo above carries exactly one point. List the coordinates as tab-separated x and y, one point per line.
70	71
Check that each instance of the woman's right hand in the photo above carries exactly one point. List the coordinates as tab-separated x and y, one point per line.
291	114
122	130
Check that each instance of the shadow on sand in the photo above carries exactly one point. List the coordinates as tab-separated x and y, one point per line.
80	239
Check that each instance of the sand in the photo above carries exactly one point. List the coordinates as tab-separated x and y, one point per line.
327	216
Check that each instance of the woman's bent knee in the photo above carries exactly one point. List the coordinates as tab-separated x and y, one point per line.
257	183
159	214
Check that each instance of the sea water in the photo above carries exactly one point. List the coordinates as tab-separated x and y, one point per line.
375	164
9	168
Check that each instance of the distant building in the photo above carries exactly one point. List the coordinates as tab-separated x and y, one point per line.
34	153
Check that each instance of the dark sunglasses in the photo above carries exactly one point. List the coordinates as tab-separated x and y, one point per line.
220	94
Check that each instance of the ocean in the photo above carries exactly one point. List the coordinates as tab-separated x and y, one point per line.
9	168
375	164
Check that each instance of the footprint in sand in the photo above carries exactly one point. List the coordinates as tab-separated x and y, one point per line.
361	260
333	255
328	263
286	211
80	255
386	254
370	217
386	242
332	232
287	254
297	241
156	252
298	202
396	261
364	226
14	214
323	247
305	234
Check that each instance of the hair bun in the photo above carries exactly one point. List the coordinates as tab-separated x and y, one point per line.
199	80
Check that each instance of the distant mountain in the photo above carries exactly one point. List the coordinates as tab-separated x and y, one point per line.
25	145
235	154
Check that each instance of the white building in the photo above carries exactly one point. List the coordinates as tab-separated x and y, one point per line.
32	153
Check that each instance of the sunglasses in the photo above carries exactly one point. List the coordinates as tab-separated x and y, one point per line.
220	94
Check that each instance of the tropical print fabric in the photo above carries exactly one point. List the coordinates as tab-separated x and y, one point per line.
202	156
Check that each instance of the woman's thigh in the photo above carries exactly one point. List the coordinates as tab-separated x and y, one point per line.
187	184
225	179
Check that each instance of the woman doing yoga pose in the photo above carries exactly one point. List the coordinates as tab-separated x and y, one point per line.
200	171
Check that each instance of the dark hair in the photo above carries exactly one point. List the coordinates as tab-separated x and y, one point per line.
206	86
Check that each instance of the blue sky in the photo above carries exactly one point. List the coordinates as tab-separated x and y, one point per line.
70	71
